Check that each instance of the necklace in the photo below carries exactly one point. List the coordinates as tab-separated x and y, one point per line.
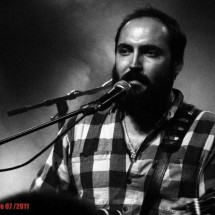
133	148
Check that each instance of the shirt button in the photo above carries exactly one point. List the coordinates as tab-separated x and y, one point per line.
129	181
125	209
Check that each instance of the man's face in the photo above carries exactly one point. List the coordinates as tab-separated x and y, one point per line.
143	57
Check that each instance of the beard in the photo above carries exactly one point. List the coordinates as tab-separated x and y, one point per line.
144	101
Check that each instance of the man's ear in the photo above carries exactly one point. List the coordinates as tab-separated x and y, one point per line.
176	68
176	73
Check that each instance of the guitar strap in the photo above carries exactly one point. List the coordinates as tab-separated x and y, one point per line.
174	132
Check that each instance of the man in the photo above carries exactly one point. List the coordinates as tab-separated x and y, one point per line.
150	153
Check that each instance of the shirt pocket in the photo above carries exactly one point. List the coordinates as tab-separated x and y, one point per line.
91	170
178	177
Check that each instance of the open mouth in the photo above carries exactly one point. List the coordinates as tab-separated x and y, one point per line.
137	85
136	79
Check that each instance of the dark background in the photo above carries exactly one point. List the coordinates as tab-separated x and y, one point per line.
50	47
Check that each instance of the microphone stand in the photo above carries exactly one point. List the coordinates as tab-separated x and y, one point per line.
62	107
70	96
61	103
87	110
38	127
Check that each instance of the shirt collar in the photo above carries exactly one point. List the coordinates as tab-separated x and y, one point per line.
178	100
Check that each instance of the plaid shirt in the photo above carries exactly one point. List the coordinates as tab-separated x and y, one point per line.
93	162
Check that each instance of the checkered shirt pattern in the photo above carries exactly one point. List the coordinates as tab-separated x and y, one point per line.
92	161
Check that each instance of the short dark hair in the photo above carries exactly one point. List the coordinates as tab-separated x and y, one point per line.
177	38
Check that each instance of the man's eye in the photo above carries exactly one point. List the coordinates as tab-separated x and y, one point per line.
124	51
152	53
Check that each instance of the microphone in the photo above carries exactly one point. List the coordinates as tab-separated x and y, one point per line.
119	90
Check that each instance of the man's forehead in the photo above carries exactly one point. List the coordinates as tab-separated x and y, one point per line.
145	25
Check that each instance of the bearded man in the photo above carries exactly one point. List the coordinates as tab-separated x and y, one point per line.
150	153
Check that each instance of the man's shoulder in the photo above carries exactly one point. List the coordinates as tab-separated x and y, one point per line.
204	123
206	116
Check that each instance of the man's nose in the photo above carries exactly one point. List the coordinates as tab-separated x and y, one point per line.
136	62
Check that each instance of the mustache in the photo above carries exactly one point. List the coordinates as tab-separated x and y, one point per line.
131	75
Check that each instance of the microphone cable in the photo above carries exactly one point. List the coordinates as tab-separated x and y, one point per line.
44	149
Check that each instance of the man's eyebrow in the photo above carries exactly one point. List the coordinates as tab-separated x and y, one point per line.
150	46
123	45
145	46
